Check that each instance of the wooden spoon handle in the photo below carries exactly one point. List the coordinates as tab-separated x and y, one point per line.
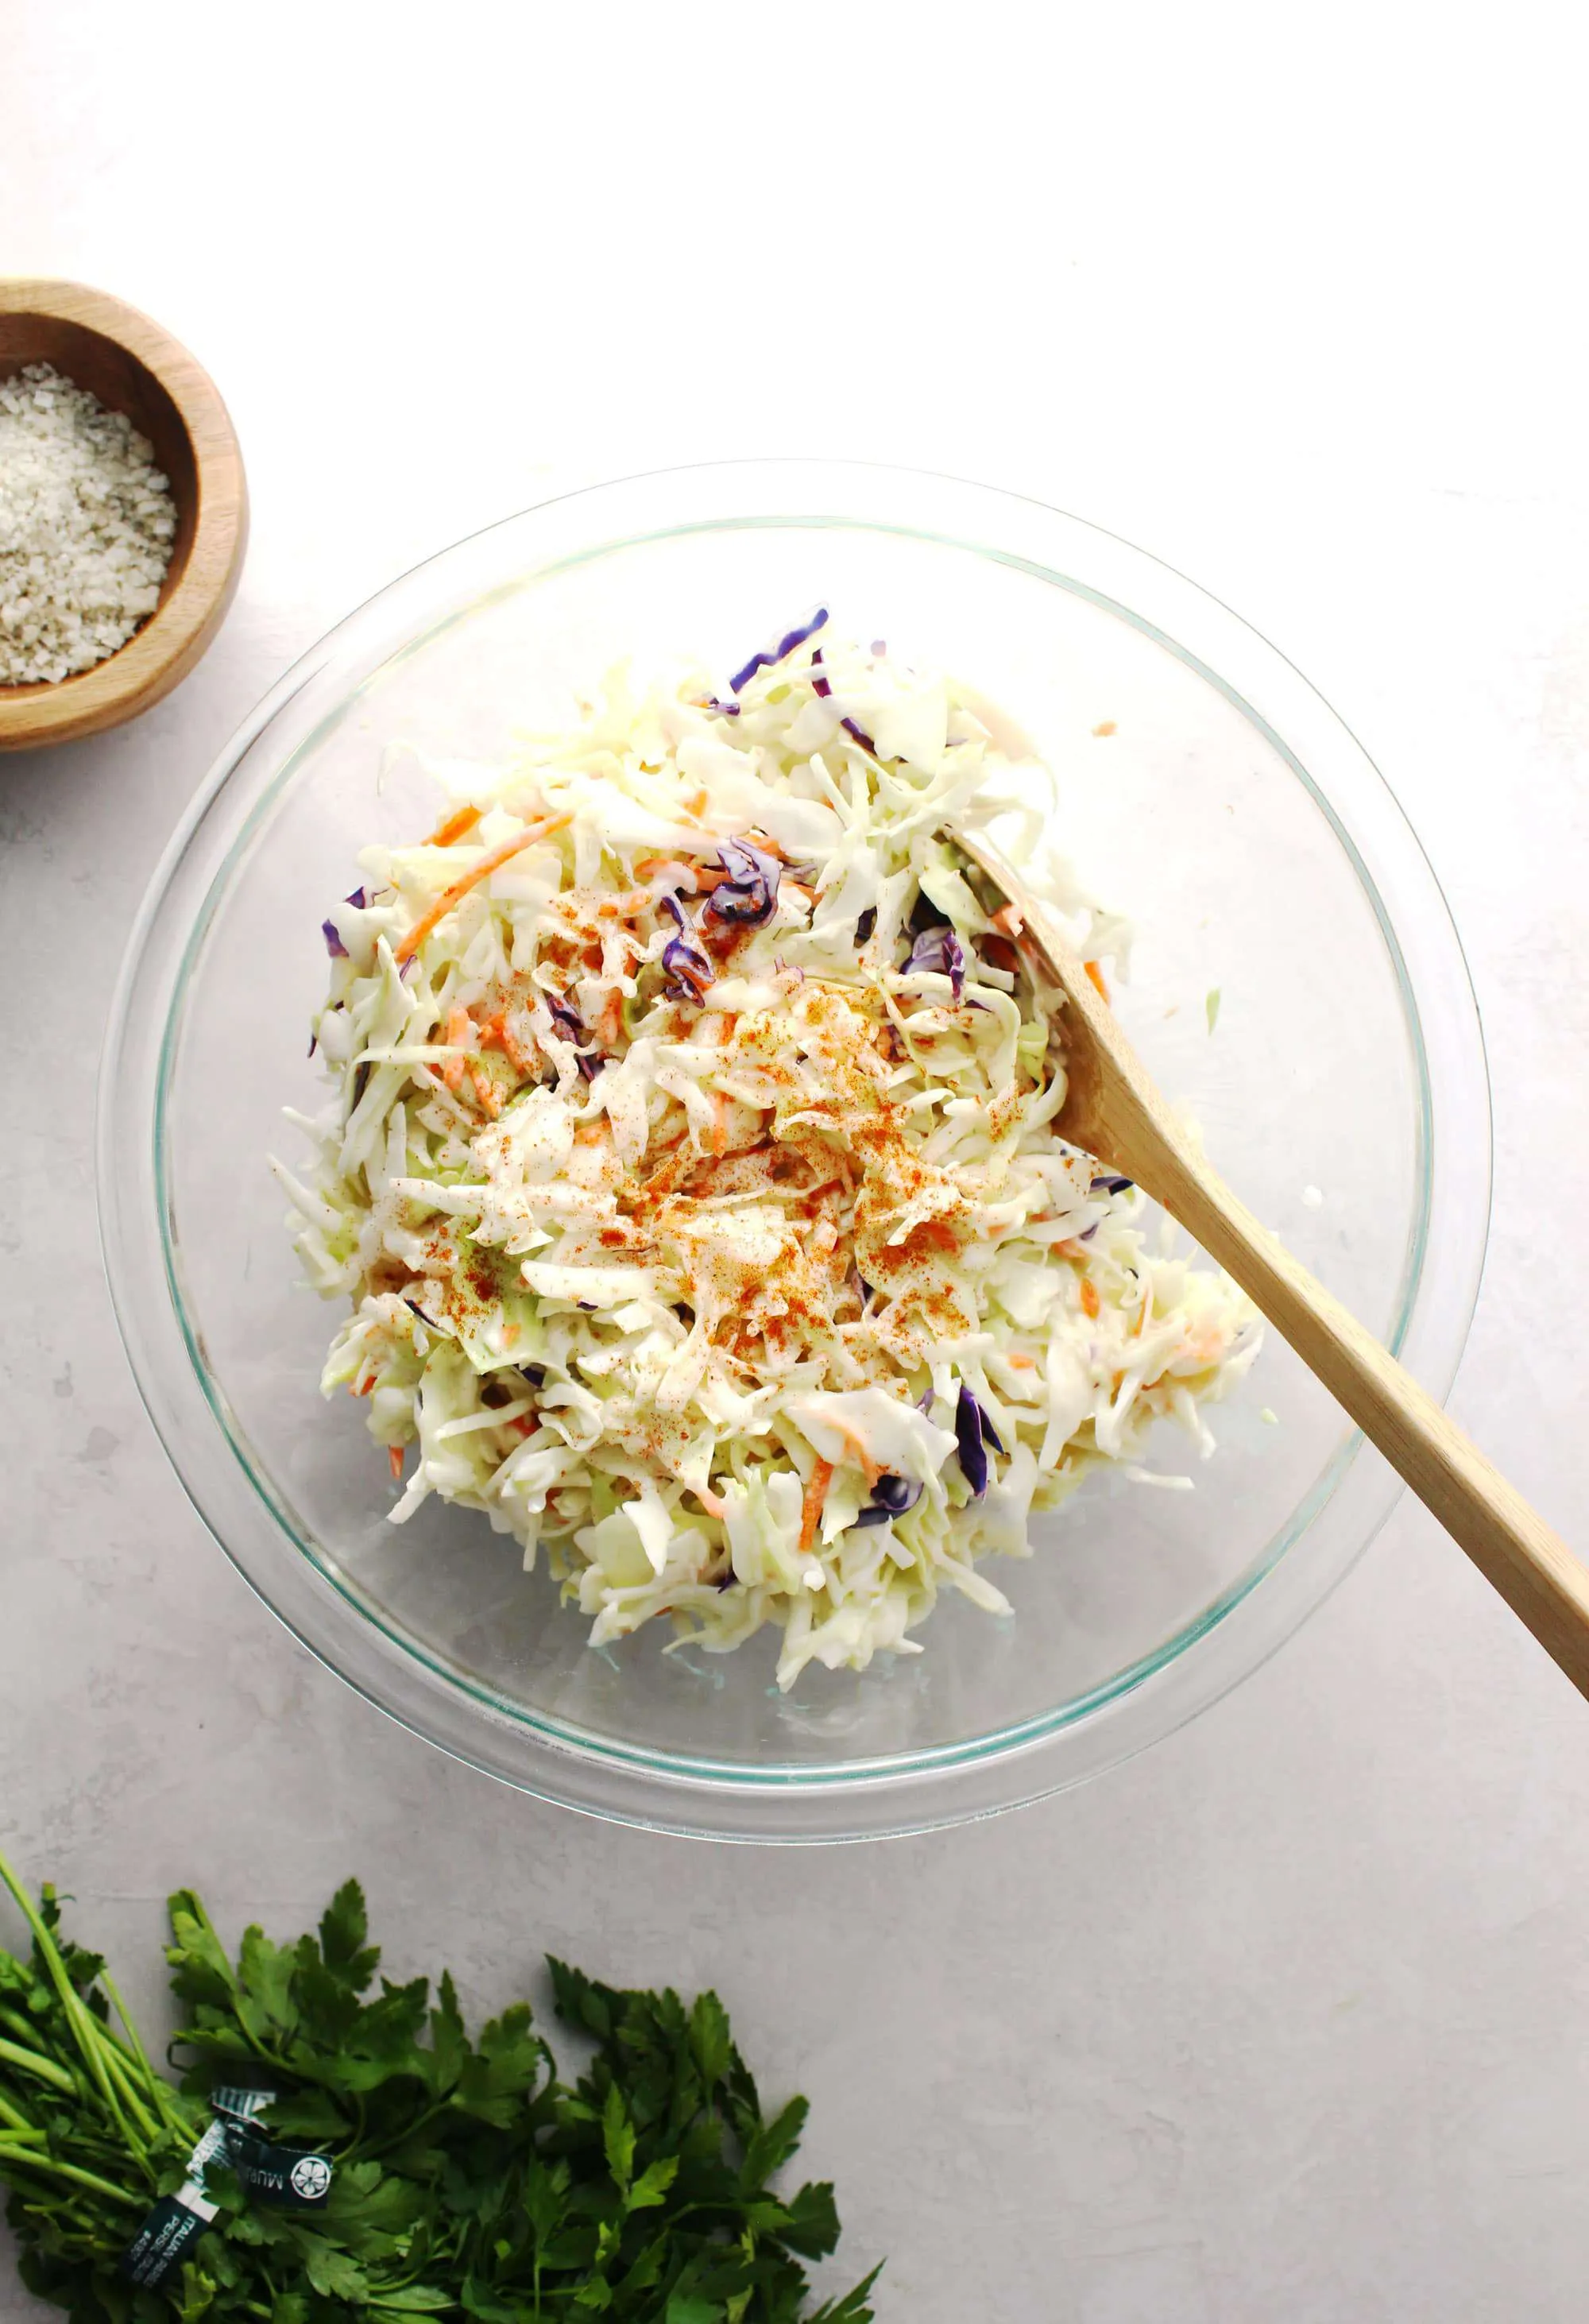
1514	1549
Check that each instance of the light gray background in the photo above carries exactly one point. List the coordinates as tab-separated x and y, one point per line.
1287	2020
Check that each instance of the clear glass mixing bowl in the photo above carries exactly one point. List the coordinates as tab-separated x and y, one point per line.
1229	811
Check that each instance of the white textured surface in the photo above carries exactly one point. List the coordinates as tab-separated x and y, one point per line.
1289	2019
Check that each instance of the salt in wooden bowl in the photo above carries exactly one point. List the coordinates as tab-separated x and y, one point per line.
135	367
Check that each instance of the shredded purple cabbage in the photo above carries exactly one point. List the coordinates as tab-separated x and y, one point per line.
865	927
1110	1185
689	972
571	1026
723	709
414	1306
786	644
940	949
334	943
891	1497
747	897
973	1433
820	685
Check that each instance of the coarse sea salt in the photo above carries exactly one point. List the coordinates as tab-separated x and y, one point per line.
86	526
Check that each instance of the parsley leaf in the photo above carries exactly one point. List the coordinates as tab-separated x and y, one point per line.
466	2180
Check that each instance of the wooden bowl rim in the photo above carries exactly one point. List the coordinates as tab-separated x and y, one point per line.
173	638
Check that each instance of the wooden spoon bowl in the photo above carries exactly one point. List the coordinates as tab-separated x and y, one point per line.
135	367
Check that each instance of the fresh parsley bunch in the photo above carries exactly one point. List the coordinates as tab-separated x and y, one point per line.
465	2180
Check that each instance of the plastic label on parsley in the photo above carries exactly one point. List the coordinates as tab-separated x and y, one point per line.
241	2105
269	2173
176	2221
279	2174
163	2241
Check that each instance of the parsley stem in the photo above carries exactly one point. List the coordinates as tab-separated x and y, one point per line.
116	2067
30	2062
59	2170
24	2029
83	2023
158	2090
409	2130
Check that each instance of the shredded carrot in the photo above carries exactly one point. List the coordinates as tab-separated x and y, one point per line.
395	1456
699	804
1007	920
858	1452
510	1333
1089	1295
486	1090
612	1017
491	861
459	1034
714	1506
454	827
526	1426
1095	979
817	1486
496	1034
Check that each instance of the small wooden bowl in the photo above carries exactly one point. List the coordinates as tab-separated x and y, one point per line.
135	367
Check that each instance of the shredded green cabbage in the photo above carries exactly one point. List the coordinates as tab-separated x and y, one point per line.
692	1177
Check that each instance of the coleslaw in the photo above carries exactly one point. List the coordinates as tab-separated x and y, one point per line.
690	1164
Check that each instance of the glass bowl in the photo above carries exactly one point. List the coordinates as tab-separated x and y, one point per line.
1205	789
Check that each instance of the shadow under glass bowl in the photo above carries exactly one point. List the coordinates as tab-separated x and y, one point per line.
1205	787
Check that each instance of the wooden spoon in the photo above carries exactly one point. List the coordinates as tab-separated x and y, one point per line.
1113	1112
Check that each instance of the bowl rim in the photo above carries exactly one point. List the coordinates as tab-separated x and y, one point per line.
162	652
729	1799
